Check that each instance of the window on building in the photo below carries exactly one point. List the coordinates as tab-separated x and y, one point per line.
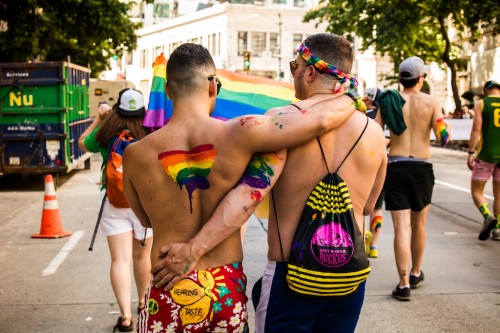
161	10
144	59
242	42
246	2
279	2
274	46
217	53
158	51
297	39
195	40
298	3
257	43
213	45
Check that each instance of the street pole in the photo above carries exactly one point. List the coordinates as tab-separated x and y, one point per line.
279	48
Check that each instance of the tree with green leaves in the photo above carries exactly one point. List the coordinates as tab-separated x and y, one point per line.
404	28
88	31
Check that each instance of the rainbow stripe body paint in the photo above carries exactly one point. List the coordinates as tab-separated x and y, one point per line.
240	95
442	133
189	168
260	170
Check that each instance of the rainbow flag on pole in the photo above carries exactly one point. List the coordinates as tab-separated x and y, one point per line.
240	95
158	104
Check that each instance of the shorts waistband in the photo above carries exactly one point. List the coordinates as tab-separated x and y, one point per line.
411	159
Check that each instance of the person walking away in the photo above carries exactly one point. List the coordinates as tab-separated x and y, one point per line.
410	117
128	241
485	136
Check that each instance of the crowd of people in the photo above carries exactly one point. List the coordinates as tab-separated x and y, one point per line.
324	161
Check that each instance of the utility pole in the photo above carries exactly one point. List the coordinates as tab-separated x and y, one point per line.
280	75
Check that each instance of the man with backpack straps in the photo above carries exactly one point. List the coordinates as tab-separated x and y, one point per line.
319	75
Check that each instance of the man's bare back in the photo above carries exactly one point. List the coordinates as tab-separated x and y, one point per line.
363	172
420	112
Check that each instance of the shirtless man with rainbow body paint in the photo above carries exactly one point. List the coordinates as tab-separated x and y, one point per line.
175	178
319	74
410	178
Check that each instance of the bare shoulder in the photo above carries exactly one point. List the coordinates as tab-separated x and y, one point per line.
137	152
284	109
428	99
376	134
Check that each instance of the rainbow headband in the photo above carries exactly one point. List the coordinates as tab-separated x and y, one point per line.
324	67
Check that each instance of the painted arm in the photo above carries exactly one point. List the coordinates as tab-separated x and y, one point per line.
285	127
475	133
129	189
178	259
440	127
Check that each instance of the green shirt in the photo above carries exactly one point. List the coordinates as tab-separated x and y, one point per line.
489	145
93	146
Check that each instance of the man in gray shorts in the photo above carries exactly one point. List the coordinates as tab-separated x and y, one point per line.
410	178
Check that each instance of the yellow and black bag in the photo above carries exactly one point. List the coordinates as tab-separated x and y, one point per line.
328	256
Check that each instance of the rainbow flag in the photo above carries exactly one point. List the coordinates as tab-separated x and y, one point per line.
240	95
158	100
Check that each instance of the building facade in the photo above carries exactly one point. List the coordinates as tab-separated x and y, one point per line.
269	33
269	30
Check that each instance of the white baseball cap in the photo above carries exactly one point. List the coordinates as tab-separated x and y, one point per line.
412	68
130	103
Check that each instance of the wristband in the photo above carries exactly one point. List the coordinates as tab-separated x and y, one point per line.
471	152
360	105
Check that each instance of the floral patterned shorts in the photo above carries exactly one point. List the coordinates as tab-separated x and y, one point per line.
212	300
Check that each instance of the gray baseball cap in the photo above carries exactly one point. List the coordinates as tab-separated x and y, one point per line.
412	68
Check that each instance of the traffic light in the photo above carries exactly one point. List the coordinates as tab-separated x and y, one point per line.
246	61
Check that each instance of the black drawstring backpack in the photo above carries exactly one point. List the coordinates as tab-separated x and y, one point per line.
328	256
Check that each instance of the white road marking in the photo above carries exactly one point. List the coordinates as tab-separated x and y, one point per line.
459	188
61	256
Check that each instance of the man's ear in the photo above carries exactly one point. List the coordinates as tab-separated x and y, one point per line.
212	88
311	73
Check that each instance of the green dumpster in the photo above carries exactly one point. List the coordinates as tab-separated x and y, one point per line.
44	108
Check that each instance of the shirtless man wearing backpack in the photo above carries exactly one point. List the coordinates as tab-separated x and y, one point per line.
176	176
322	66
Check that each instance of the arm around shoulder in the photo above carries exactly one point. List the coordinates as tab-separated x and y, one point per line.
286	127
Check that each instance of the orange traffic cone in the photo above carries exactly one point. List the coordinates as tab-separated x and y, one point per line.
51	220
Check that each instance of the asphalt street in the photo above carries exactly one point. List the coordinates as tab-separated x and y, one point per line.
57	285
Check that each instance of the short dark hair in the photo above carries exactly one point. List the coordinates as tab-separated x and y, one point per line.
332	48
409	83
187	66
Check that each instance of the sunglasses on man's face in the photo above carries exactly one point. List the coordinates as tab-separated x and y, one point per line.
294	65
219	84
